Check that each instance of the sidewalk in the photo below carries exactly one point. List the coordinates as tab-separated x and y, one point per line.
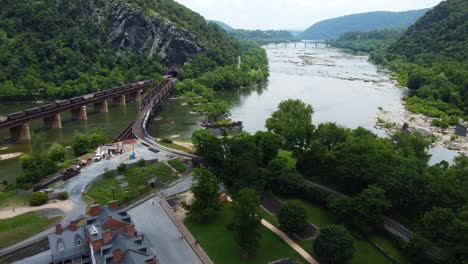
186	233
290	242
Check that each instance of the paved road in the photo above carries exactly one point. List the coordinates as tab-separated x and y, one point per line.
77	186
180	187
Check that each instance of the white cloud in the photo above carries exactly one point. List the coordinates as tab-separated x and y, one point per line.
292	14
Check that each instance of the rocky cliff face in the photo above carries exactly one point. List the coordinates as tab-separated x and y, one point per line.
129	28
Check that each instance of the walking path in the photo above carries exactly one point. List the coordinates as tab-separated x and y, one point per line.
63	205
290	242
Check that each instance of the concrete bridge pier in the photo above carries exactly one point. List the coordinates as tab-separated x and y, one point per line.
53	121
79	113
316	45
20	132
119	100
101	107
135	96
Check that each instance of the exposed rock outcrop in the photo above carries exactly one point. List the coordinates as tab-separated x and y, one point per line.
129	28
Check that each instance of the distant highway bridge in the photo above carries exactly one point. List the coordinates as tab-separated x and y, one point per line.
304	44
18	122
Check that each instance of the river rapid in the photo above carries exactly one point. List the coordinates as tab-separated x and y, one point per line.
341	87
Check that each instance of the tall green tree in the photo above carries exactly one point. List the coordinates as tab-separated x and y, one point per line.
293	121
205	192
246	222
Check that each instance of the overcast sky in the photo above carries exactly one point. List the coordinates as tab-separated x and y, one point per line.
292	14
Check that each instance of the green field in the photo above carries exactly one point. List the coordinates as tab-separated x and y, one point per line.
18	228
175	146
178	165
137	177
219	243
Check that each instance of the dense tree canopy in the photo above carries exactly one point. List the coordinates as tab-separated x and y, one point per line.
367	41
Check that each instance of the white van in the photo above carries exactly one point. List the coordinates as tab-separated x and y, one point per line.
98	156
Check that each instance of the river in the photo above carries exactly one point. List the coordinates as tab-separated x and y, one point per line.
341	87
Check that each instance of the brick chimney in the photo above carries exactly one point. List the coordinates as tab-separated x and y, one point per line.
58	229
116	256
95	208
73	226
114	205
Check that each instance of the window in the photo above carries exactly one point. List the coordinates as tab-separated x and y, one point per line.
78	242
60	245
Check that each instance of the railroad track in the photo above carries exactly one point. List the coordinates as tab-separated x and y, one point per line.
155	99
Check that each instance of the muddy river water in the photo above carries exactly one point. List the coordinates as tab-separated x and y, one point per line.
341	87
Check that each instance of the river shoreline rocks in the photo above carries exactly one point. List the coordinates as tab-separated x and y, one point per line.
392	121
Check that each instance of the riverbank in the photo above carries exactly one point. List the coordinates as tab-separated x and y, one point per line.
393	120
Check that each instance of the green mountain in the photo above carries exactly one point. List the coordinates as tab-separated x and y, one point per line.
431	58
367	41
333	28
61	48
223	25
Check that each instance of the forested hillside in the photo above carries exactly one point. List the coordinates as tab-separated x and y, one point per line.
222	25
431	58
62	48
367	41
333	28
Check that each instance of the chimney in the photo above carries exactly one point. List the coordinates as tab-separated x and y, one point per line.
95	208
117	256
114	205
143	237
73	226
58	229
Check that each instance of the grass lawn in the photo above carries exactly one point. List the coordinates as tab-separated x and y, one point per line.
289	156
386	244
178	164
219	243
175	146
18	228
320	217
11	198
101	190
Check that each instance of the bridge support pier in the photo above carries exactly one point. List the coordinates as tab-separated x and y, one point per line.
53	121
20	132
79	113
135	96
101	107
119	100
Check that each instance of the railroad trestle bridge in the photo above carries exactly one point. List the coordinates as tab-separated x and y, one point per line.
18	122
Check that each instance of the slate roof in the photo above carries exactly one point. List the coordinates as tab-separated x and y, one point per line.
69	240
133	250
105	212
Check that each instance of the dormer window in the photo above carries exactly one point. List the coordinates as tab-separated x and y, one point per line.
60	245
78	242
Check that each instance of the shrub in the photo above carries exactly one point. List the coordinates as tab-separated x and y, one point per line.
167	140
38	198
122	167
293	217
141	163
62	196
334	245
